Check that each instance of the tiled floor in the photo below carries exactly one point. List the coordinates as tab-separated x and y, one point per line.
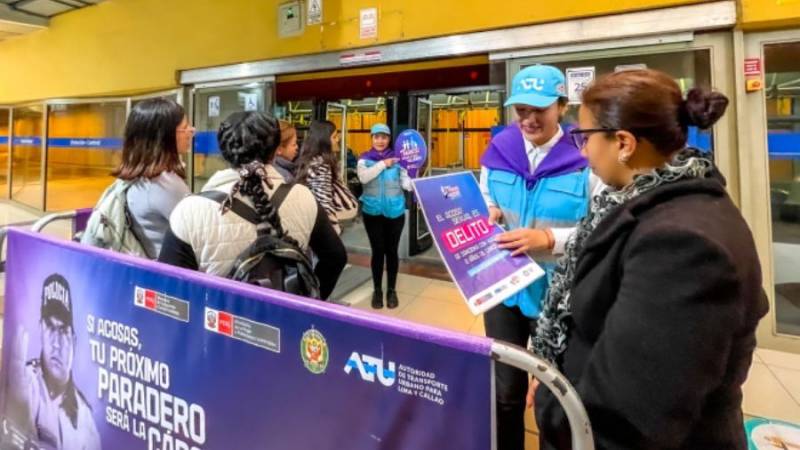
772	389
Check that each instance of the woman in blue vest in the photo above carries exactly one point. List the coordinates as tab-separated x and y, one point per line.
384	210
537	184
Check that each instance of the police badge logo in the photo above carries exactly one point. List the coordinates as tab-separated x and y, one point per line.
211	319
314	351
139	300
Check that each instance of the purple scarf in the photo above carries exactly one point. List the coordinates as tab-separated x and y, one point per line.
374	155
507	152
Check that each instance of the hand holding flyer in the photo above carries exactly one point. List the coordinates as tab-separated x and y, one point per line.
458	218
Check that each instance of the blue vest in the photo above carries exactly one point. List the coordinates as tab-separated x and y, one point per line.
555	202
383	195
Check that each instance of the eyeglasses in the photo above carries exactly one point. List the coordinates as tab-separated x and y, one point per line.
581	135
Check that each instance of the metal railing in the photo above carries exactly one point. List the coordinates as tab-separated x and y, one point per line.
565	393
36	226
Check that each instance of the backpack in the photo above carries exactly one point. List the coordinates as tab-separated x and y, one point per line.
111	224
271	261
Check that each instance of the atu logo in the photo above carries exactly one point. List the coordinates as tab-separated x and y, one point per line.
369	366
536	84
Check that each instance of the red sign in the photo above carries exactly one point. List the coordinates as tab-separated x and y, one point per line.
149	299
752	66
225	323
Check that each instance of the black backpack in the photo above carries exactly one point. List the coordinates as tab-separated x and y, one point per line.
271	261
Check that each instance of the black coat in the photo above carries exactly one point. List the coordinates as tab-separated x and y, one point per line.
665	302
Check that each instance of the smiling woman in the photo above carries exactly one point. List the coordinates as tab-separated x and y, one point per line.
534	180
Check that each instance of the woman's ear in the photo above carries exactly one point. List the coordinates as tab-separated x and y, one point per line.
626	145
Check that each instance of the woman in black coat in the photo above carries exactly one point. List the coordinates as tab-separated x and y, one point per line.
653	311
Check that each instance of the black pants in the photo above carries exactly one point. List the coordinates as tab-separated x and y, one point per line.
511	384
384	238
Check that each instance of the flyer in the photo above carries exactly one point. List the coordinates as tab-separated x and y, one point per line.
458	217
413	152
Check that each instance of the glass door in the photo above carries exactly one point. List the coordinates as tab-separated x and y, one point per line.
213	103
421	236
5	144
27	150
337	113
84	145
771	180
423	125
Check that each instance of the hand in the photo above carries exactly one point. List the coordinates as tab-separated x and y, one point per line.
534	384
18	379
523	240
495	215
389	162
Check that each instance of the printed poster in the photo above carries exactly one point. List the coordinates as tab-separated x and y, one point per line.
106	351
458	218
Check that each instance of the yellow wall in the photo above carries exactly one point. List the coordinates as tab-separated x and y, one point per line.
766	14
124	46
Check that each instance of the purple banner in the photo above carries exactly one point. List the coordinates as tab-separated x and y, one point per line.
102	350
458	219
412	150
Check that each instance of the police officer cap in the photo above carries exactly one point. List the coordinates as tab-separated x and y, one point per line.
56	299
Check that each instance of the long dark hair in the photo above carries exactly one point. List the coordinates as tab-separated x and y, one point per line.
150	147
649	104
318	143
247	141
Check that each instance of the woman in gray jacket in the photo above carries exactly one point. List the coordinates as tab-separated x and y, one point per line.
156	134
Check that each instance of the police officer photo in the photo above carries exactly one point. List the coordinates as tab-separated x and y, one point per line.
46	407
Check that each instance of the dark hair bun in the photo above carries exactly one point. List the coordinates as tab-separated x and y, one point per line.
702	108
247	136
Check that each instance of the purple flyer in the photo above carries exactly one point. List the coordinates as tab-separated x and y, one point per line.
458	219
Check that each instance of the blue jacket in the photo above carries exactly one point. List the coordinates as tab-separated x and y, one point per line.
555	202
383	195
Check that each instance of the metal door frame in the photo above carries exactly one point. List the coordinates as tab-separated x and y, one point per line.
755	175
428	130
342	138
10	137
501	89
720	46
43	158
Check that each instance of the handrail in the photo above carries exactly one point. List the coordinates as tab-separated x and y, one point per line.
565	393
36	226
4	233
50	218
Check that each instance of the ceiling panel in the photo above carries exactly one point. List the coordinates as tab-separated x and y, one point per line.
48	8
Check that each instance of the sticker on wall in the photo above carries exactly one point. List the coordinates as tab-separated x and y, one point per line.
250	102
578	79
624	67
314	12
214	105
368	25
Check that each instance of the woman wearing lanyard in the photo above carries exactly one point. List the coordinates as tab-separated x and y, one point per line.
384	209
535	182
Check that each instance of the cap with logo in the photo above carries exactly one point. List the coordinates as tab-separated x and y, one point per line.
56	299
380	128
538	86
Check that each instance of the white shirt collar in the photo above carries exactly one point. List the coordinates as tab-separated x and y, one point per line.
531	147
